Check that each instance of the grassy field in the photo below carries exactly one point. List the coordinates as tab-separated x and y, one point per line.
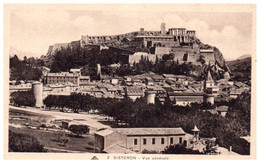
23	117
53	140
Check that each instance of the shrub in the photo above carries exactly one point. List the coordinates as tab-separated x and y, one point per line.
19	142
79	129
179	149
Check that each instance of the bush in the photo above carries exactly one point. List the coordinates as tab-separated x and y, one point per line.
63	140
19	142
179	149
79	129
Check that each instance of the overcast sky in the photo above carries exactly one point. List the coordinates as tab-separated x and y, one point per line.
33	30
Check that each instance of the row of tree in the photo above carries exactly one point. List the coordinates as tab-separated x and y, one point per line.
75	102
139	114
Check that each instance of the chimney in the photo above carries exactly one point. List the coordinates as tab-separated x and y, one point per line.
141	31
163	30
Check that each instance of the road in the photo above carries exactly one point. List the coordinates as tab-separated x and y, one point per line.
92	120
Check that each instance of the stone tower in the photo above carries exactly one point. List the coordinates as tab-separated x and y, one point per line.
163	29
150	97
208	89
141	31
37	89
209	83
98	71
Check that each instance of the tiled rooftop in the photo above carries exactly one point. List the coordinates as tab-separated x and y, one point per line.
150	131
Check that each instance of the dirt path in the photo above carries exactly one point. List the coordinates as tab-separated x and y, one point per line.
62	150
92	120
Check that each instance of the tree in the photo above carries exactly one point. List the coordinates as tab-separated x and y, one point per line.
179	149
50	101
62	102
24	98
14	61
75	102
19	142
79	129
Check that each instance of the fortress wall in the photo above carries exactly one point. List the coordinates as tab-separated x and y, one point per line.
75	43
137	57
166	43
193	58
106	38
192	55
50	50
209	57
60	45
162	50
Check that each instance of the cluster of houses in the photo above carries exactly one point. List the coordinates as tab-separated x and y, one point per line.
179	89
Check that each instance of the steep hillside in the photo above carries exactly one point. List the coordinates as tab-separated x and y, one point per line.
220	61
61	57
241	69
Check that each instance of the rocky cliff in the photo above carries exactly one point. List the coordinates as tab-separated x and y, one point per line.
220	61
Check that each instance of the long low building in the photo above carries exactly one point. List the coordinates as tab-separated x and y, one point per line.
138	139
184	99
74	76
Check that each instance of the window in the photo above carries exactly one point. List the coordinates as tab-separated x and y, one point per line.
162	140
144	141
185	57
135	141
180	140
153	140
171	140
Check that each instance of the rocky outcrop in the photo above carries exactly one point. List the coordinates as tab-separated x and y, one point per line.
220	61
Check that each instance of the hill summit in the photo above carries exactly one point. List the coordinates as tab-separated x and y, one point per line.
241	69
180	44
244	56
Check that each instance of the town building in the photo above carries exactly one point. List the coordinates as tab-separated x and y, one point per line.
20	87
222	110
234	93
74	76
184	98
134	92
139	139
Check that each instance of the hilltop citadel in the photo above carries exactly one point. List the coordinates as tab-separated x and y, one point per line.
151	44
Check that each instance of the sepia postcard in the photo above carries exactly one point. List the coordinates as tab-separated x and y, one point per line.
129	81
